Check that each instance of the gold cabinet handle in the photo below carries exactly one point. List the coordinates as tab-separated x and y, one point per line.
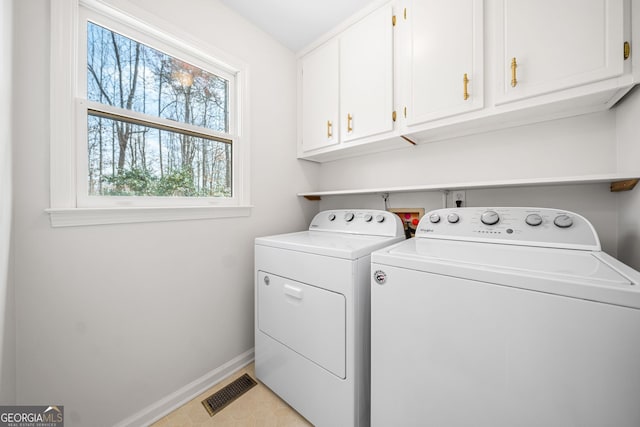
465	84
514	65
626	48
349	122
329	129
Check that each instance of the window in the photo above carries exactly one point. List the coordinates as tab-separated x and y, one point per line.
156	122
138	154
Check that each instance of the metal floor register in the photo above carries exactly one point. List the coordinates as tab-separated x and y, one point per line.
223	397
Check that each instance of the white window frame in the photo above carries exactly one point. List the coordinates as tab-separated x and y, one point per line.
69	203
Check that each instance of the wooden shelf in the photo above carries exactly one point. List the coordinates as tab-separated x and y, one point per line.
618	183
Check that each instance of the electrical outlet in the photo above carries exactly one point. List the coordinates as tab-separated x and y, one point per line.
459	198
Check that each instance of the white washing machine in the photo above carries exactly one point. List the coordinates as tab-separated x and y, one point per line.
504	317
312	313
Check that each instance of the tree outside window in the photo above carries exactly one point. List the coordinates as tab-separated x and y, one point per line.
151	134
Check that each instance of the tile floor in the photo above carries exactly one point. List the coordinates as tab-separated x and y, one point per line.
257	407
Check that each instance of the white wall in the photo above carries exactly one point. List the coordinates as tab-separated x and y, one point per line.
629	223
575	146
580	145
628	125
7	311
111	319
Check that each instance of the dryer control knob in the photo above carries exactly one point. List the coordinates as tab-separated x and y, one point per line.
332	217
563	221
434	218
379	218
490	218
533	220
368	218
348	216
453	218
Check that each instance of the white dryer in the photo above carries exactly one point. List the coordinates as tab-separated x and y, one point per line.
312	313
503	317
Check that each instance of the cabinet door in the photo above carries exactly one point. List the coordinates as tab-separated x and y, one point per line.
445	44
366	76
320	91
549	45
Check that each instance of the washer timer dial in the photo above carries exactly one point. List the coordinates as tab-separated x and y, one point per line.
533	220
563	221
490	217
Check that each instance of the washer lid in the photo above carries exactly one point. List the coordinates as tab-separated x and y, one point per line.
339	245
591	275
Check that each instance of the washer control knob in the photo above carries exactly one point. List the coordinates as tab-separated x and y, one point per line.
379	218
368	218
348	216
453	218
563	221
332	217
434	218
533	220
490	218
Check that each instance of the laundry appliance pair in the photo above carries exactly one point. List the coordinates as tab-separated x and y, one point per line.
488	317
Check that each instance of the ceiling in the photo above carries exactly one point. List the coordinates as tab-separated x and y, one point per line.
296	23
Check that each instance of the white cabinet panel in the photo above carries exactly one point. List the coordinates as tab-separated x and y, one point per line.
320	86
445	45
366	76
556	45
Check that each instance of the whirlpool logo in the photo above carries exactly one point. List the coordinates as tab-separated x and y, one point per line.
32	416
380	277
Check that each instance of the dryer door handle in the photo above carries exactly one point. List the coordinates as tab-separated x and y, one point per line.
293	291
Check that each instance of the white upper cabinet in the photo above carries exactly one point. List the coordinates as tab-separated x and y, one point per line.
320	97
366	76
347	91
443	58
450	68
545	46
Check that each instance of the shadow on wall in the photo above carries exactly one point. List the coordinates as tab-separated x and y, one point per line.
627	246
7	339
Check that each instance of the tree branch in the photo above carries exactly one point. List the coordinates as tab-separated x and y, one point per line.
99	82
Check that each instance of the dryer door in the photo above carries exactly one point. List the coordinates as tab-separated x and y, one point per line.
309	320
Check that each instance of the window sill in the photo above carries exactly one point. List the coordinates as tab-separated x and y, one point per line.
71	217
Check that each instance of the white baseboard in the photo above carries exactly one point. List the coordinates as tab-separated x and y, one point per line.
164	406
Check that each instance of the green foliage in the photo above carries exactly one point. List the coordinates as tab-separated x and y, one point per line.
140	182
177	183
134	182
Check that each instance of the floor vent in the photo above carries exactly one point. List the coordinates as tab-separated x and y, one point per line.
220	399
